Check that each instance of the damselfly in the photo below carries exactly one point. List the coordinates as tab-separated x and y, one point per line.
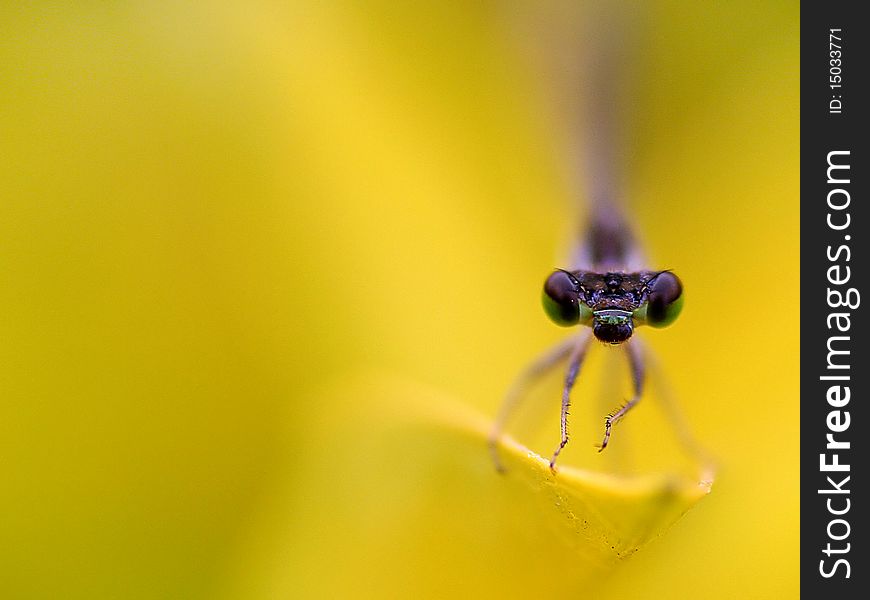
609	291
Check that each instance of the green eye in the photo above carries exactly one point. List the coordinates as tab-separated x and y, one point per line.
561	300
665	301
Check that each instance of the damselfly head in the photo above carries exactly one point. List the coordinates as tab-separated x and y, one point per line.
613	303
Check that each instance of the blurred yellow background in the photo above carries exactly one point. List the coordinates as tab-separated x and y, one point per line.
217	218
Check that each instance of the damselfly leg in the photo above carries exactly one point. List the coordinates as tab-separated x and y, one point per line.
531	375
574	365
634	351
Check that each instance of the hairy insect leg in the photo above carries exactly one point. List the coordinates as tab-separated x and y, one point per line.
574	365
534	372
634	350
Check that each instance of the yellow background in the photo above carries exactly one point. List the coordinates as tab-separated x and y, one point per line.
212	212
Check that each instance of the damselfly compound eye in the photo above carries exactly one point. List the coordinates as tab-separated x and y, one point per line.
561	299
665	299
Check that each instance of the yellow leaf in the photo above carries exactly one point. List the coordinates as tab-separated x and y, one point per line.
403	499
